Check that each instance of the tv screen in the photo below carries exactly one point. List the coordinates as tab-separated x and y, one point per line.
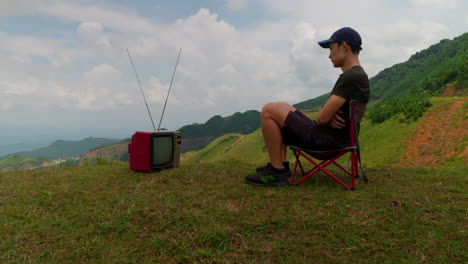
162	150
154	151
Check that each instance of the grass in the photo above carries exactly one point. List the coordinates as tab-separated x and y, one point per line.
204	213
384	143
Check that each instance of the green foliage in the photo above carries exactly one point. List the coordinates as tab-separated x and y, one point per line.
427	72
248	149
313	103
383	144
197	136
69	162
411	107
242	123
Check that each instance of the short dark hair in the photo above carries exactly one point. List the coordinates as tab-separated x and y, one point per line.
355	49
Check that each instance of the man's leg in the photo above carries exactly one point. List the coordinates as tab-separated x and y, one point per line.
273	116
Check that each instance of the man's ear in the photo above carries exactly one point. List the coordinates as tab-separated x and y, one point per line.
345	46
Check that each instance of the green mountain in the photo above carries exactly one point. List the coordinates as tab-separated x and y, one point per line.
313	103
68	149
428	72
196	136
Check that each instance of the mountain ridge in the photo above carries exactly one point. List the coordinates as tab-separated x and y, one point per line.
68	148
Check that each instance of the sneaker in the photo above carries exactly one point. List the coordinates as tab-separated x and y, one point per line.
269	177
285	164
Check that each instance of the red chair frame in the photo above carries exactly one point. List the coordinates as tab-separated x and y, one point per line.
329	157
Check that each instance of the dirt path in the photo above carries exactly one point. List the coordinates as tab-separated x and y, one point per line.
439	136
237	141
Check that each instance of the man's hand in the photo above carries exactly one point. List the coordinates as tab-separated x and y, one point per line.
328	114
337	121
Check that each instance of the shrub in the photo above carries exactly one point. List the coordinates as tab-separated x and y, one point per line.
412	107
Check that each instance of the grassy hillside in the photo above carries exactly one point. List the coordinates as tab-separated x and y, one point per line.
313	103
246	148
204	213
69	148
441	136
196	136
383	144
13	162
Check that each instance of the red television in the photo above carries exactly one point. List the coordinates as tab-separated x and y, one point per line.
154	151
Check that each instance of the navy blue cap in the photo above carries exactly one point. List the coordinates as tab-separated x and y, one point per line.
345	34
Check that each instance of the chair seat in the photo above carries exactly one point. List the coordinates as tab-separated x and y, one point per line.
323	154
332	156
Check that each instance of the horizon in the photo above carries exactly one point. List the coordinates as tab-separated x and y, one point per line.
67	74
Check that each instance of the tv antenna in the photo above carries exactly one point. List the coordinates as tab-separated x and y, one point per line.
168	91
144	97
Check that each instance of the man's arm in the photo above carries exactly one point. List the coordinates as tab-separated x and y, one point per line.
329	113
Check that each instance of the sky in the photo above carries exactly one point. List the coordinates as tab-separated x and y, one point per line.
65	72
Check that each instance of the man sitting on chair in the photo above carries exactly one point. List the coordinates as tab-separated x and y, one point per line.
283	125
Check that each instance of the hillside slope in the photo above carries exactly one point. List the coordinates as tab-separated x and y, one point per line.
428	72
19	162
196	136
441	137
69	148
112	152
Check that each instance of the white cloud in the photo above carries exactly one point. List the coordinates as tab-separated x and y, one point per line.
118	20
21	88
102	88
395	43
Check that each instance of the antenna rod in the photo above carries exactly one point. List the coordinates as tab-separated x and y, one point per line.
167	97
141	89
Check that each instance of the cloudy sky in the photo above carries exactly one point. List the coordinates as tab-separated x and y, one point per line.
65	72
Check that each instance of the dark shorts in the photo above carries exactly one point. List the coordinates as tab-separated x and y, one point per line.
301	131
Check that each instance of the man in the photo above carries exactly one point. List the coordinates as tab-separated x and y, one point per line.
282	124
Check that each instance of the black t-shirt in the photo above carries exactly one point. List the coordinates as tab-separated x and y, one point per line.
351	85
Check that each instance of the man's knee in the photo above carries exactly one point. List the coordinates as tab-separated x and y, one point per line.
269	109
277	111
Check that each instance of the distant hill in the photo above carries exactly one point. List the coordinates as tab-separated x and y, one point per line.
196	136
313	103
7	149
18	162
117	151
67	149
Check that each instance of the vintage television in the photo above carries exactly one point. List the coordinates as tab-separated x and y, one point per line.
154	151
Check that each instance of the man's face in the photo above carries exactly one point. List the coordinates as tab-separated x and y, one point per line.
337	54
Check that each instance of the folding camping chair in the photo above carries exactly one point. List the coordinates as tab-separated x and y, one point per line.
329	157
